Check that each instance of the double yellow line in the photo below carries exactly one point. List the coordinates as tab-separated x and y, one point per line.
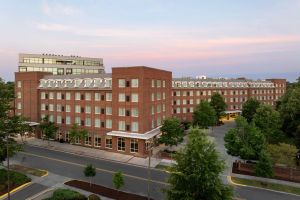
98	169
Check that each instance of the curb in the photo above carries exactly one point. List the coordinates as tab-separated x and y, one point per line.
242	185
113	161
39	194
16	189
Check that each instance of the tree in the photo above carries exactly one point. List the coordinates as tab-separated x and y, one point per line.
77	133
172	132
264	167
218	103
268	121
283	153
196	174
246	140
289	109
48	128
204	115
249	109
118	180
90	172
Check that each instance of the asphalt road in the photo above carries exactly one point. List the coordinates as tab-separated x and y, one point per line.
71	166
27	192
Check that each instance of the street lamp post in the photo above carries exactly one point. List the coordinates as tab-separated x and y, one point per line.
7	154
150	148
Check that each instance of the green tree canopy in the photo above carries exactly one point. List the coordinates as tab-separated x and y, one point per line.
269	122
283	153
204	115
48	128
246	140
172	132
197	172
118	180
77	132
90	172
218	103
249	109
264	167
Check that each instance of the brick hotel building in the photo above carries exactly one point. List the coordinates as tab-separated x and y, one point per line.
123	111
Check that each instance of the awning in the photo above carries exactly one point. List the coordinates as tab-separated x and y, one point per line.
143	136
232	111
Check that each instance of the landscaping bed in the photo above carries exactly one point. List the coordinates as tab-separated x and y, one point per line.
16	179
28	170
272	186
104	191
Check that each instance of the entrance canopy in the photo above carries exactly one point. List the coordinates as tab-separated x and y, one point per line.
233	112
144	136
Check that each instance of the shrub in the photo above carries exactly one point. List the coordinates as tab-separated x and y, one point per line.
66	194
94	197
16	178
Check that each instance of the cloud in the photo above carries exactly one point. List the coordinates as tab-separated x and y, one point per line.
55	9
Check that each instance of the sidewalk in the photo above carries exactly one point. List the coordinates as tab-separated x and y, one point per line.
91	152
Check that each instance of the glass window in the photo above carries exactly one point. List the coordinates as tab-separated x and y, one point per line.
19	106
134	112
43	95
77	96
121	144
134	147
108	111
51	95
68	96
88	96
121	111
51	107
121	125
108	123
108	97
134	97
134	83
97	123
153	83
121	83
58	95
97	110
158	95
68	120
68	108
88	109
58	108
87	121
77	109
58	119
97	96
158	83
97	142
19	95
77	120
88	140
121	97
108	142
19	84
134	126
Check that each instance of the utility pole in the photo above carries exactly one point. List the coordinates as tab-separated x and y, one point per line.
149	172
7	154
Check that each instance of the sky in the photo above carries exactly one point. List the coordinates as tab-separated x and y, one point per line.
217	38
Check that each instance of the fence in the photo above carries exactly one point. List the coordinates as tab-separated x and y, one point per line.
281	173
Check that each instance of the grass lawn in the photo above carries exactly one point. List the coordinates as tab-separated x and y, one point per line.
272	186
16	179
28	170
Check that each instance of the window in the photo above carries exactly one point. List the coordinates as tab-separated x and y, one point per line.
158	95
43	95
158	83
164	83
121	125
88	109
108	123
134	112
121	83
43	106
77	109
153	83
134	97
97	96
121	97
51	118
88	96
97	123
19	95
108	111
158	121
58	95
77	96
121	111
51	95
158	108
77	120
164	95
51	107
88	121
19	106
68	120
134	126
88	140
19	84
108	142
108	97
68	96
97	142
134	83
152	110
121	144
97	110
134	147
68	108
58	119
164	107
58	108
152	97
